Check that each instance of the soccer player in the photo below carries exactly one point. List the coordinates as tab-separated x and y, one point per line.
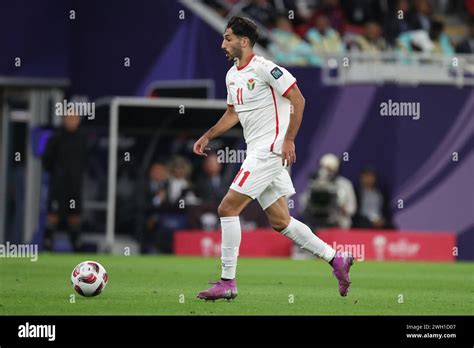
269	105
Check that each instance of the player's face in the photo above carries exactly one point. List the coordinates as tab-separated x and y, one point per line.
231	45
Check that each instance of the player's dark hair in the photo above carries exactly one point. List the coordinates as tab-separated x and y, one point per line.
242	26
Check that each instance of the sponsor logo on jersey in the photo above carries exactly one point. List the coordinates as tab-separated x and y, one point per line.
251	84
276	73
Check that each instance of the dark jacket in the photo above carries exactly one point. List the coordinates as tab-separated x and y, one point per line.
208	192
464	47
386	211
65	159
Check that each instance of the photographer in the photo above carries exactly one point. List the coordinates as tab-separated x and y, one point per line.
330	200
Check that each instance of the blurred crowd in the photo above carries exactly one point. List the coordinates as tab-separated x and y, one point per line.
303	32
175	199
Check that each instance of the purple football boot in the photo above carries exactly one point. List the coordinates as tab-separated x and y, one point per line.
222	289
341	264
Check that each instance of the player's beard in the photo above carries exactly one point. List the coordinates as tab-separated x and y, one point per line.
235	55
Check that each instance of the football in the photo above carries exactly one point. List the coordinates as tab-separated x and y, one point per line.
89	278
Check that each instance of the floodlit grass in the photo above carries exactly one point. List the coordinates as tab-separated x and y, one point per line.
167	285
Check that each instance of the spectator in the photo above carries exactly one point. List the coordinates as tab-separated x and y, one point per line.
289	48
421	19
217	6
433	42
371	40
158	185
362	11
262	11
330	199
467	45
373	206
65	159
304	8
333	11
324	39
169	195
179	185
470	7
397	22
210	186
157	234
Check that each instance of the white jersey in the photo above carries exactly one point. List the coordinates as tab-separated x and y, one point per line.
257	92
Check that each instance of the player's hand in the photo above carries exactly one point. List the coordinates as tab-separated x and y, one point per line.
288	152
200	146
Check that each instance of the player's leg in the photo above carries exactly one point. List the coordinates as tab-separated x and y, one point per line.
229	210
232	204
250	181
275	206
280	219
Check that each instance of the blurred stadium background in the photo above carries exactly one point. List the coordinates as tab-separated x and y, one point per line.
156	73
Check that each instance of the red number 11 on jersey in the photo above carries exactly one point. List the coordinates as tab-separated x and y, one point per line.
240	100
241	182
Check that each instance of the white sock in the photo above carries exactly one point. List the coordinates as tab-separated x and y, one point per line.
231	236
302	235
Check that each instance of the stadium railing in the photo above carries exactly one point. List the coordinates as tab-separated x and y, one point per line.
398	67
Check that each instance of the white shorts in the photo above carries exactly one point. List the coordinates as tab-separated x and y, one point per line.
265	179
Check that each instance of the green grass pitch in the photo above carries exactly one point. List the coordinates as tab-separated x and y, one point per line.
167	285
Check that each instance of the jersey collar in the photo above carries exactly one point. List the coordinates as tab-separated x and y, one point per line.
244	66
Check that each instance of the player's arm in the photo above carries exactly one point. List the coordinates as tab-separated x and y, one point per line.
296	115
226	122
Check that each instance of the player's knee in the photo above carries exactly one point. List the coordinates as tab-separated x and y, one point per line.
225	210
279	223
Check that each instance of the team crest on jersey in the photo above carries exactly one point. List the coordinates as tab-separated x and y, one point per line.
251	84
